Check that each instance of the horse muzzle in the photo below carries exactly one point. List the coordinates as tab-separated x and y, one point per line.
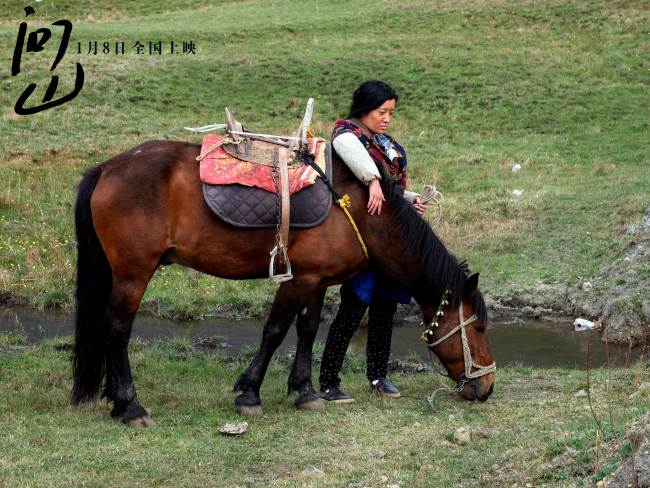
478	389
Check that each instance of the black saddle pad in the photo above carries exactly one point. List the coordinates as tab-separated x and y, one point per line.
245	206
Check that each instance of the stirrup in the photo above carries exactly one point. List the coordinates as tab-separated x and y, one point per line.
282	277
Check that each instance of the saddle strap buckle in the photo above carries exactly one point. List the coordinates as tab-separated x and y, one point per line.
284	257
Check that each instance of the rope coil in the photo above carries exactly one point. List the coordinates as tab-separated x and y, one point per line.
431	196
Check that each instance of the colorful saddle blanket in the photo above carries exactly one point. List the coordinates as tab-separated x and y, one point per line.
243	193
249	163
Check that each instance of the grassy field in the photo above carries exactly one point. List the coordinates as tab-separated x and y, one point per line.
534	429
560	87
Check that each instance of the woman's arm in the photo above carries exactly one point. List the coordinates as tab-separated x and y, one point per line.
354	155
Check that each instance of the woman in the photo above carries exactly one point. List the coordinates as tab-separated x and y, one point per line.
362	143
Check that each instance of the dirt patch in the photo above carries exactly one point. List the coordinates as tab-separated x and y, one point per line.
618	294
7	298
635	470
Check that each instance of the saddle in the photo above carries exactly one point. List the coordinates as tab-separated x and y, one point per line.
257	180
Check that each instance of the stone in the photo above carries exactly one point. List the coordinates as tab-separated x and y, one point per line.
580	394
312	472
376	453
482	433
645	308
234	429
462	436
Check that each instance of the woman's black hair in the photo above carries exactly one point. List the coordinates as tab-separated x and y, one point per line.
369	96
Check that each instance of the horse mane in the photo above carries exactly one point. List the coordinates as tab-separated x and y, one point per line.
442	267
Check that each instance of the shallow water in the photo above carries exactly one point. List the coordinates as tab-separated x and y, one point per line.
511	340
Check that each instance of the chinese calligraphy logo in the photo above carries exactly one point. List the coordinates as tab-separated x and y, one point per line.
35	42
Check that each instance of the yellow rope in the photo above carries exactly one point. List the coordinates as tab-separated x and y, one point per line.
346	203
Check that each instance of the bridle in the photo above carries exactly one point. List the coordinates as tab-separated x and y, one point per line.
468	361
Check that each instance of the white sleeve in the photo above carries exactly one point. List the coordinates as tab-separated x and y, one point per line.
354	155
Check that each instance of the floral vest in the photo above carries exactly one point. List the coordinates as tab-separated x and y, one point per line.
396	166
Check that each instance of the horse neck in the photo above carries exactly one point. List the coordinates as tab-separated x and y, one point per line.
389	252
385	242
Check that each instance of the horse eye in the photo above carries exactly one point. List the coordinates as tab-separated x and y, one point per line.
480	328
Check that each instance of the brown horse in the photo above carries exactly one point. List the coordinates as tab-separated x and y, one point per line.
145	207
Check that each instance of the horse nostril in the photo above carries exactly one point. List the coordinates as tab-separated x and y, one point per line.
474	390
491	389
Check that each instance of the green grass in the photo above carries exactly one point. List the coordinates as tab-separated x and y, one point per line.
559	87
532	418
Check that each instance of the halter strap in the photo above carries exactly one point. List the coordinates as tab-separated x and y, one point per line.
467	353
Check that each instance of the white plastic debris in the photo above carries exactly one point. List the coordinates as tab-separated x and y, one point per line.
234	429
582	324
517	193
516	168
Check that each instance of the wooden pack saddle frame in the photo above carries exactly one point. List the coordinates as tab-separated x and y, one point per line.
285	153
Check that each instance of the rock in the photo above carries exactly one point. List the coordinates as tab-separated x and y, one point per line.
587	286
517	193
312	472
539	311
638	434
234	429
462	436
383	479
516	168
482	433
376	453
580	394
528	310
645	309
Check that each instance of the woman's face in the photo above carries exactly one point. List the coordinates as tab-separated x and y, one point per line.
377	120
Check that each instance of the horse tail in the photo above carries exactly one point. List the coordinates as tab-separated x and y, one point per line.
94	284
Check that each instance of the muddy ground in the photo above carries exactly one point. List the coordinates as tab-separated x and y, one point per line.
618	297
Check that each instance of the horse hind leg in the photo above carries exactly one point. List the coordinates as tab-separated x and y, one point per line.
120	389
300	377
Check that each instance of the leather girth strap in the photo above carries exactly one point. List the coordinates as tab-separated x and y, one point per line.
285	155
280	249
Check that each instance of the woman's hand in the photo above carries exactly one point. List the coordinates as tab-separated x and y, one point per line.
419	206
376	197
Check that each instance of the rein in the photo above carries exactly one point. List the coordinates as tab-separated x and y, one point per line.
344	202
467	353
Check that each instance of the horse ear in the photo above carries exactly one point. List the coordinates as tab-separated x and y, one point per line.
471	285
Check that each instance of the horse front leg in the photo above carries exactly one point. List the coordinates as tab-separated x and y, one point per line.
300	377
289	300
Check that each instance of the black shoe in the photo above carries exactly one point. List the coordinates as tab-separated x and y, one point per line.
335	395
385	387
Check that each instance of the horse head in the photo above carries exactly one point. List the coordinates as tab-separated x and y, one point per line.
456	334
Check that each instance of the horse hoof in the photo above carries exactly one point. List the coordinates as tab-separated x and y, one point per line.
315	405
249	410
145	421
